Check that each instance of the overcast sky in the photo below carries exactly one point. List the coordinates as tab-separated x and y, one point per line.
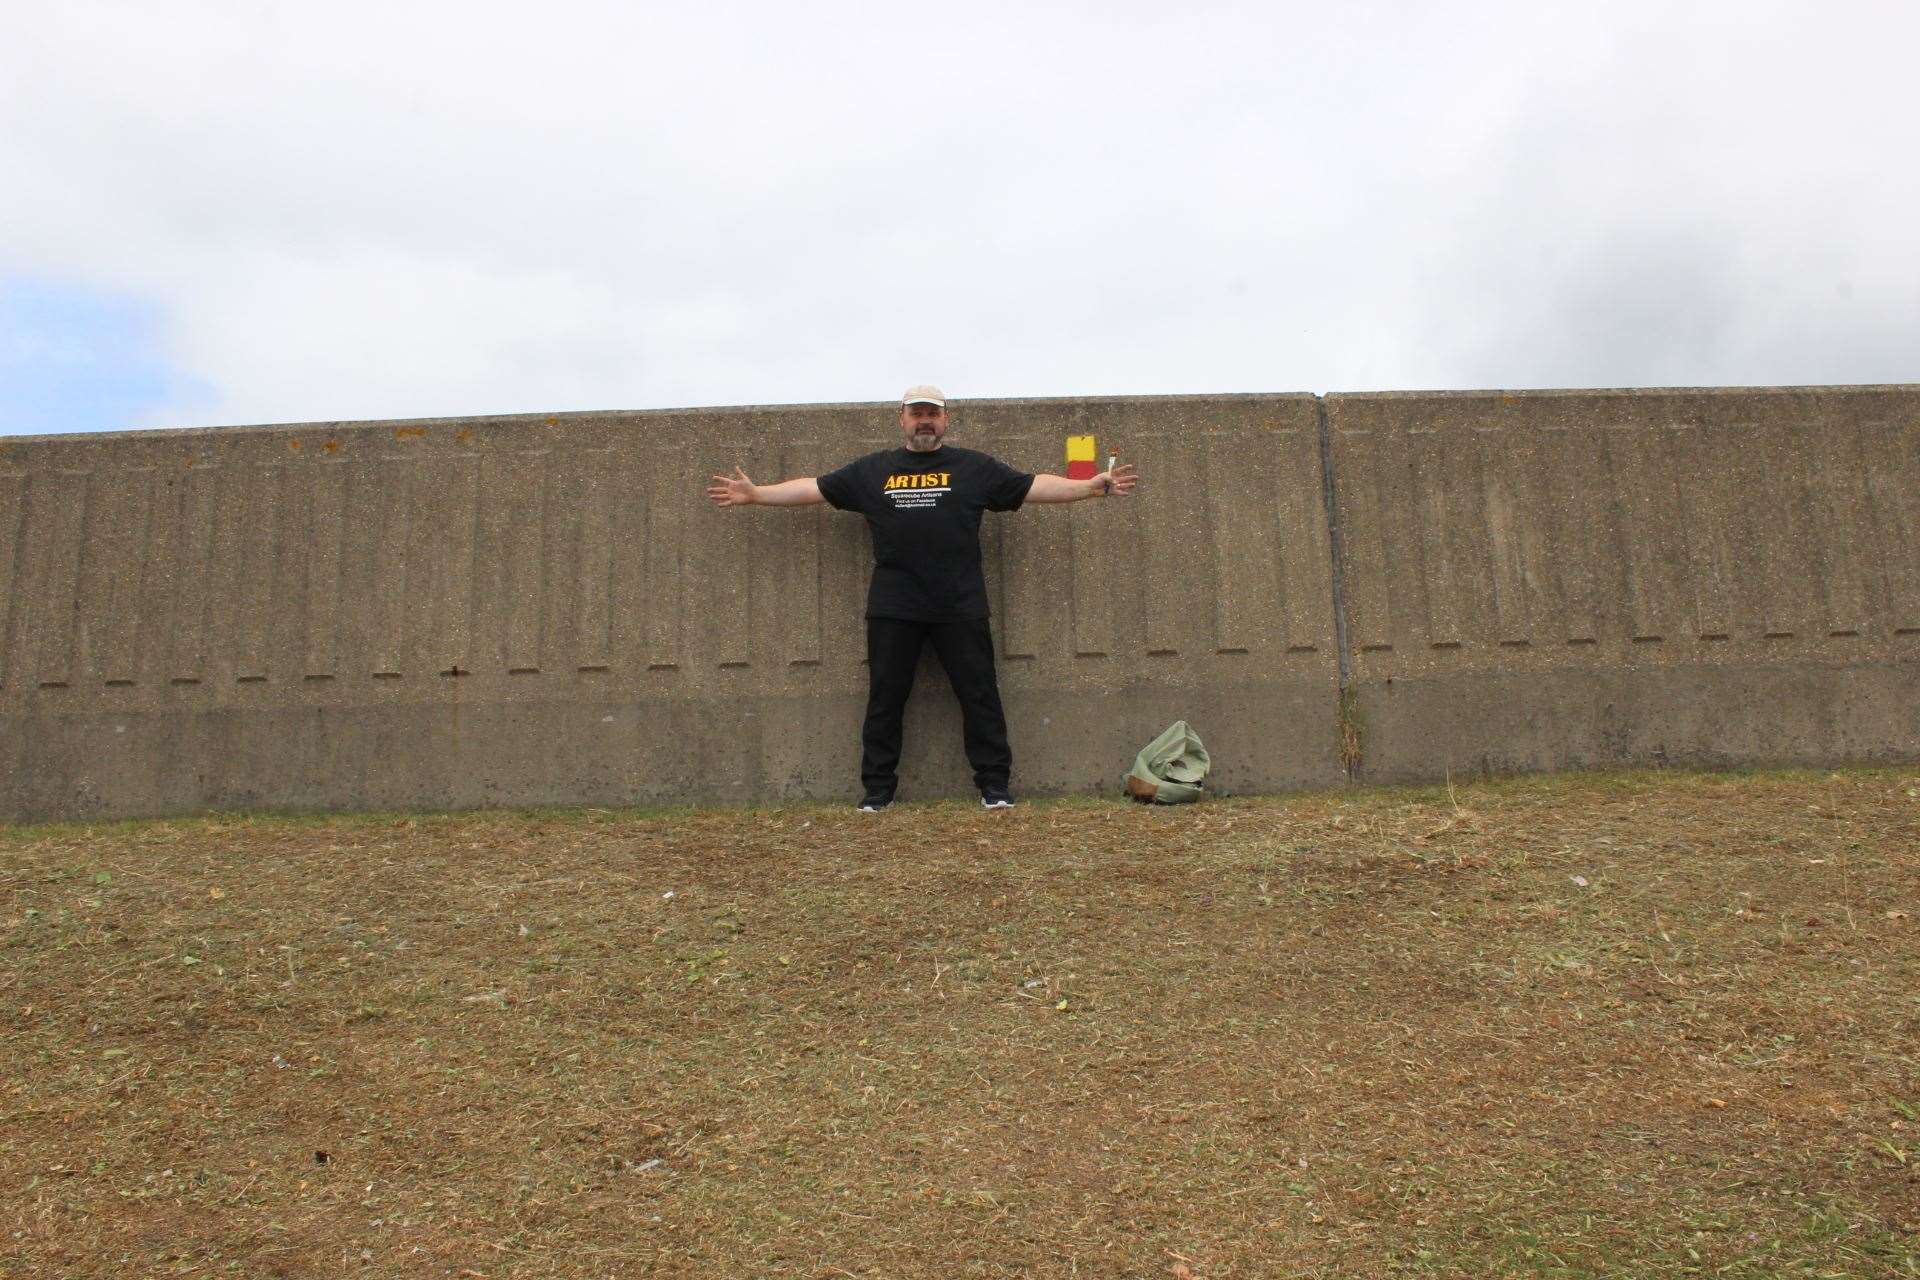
263	212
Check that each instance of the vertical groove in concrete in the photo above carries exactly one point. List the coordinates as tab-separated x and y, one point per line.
1840	509
1173	611
1893	490
1090	604
594	561
800	636
1336	543
524	560
116	592
56	537
13	508
1302	530
326	494
251	553
1245	574
1031	554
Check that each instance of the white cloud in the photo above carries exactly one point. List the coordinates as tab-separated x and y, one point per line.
367	210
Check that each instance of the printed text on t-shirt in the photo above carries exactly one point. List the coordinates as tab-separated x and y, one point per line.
917	489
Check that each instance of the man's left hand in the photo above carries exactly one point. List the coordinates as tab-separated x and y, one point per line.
1116	483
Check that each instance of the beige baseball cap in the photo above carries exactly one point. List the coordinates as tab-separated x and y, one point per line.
924	394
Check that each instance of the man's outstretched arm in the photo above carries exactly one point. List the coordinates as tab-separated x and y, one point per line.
1050	488
738	491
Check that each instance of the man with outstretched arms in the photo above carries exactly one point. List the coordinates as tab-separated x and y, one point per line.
923	503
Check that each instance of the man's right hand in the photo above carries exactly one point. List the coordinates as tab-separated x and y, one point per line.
731	491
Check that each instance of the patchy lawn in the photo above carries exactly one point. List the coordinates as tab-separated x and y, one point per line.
1624	1025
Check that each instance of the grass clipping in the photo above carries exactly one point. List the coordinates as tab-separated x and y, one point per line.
1650	1025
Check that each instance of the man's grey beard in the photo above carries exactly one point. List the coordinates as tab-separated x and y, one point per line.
917	443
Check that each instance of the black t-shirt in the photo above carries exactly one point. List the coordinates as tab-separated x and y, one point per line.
923	510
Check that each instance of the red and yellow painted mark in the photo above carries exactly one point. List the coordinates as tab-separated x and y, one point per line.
1081	463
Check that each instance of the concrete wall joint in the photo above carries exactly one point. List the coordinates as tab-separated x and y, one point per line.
1351	743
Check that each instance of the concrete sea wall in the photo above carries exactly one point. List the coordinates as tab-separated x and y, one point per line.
1561	579
515	610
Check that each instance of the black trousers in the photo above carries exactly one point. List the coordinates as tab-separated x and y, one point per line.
966	651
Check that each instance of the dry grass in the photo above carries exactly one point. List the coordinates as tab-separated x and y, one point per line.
1612	1025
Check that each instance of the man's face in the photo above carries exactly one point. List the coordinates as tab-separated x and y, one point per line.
925	425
